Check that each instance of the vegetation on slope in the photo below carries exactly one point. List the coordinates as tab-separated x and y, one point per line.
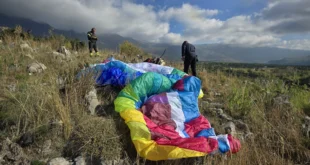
37	105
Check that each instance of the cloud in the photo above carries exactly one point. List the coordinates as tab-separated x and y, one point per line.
108	16
144	22
292	16
187	11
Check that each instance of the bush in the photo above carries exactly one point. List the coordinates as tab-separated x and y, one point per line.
130	49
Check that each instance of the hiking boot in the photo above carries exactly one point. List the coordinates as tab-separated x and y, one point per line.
91	54
97	54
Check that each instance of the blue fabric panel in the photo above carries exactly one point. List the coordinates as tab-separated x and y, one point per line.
223	147
189	105
206	133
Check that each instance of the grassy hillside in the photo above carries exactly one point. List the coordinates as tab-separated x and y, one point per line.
267	111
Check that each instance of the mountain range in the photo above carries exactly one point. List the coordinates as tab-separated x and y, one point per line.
205	52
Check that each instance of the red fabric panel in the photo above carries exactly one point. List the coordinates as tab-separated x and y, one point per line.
166	135
179	85
197	144
159	113
164	131
234	143
193	127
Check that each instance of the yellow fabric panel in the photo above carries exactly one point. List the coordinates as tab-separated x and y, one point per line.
123	103
133	115
200	94
139	130
150	150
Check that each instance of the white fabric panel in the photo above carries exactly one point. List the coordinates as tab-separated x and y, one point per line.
177	114
150	67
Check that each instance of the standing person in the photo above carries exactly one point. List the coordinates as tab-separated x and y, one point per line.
189	57
92	41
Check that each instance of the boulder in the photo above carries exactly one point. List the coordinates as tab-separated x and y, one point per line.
58	161
92	100
36	67
26	47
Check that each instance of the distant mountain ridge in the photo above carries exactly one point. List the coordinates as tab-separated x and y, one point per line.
297	61
206	52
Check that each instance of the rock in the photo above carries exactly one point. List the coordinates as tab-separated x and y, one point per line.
60	82
230	128
226	117
217	94
29	56
26	47
219	111
1	42
11	151
281	100
46	148
241	125
58	55
80	161
209	100
12	87
216	105
58	161
64	51
26	139
36	67
113	162
92	100
306	126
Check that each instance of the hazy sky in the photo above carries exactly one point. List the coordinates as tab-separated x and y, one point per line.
280	23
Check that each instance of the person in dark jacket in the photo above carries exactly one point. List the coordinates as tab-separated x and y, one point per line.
92	41
189	57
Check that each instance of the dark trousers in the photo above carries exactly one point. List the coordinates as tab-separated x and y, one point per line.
191	61
92	45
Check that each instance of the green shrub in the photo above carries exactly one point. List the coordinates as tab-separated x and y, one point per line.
130	49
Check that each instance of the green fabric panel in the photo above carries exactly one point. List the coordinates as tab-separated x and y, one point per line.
165	85
144	85
123	104
178	72
129	93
